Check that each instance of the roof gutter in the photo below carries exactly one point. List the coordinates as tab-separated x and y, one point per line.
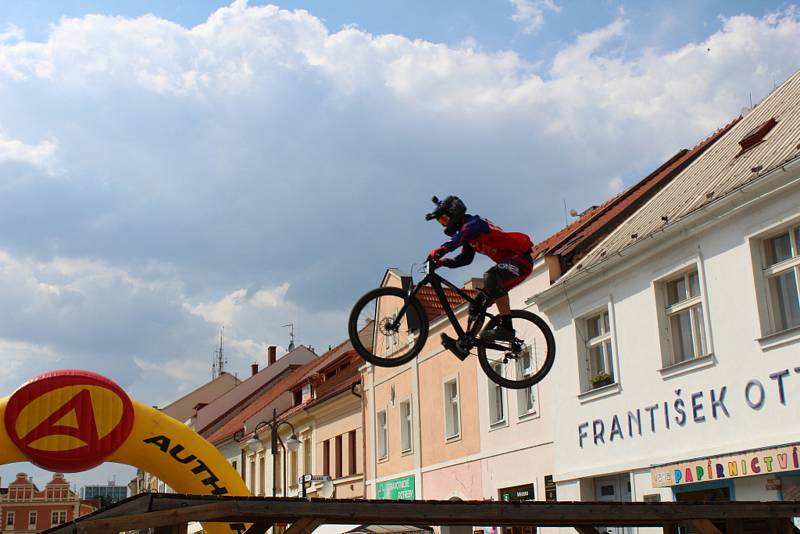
553	295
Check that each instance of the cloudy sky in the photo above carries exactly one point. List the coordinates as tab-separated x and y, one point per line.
168	168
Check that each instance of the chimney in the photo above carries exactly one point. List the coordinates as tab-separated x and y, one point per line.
474	283
253	369
272	355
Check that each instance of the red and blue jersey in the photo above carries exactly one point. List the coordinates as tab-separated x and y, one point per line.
481	235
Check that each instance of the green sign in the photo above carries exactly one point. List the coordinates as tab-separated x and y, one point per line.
397	489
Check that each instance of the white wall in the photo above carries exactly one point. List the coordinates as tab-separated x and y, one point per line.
723	255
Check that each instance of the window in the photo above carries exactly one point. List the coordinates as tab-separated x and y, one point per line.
452	413
262	475
497	408
782	272
383	436
307	467
526	398
32	520
405	426
684	322
338	451
58	518
293	474
10	520
278	472
326	457
235	466
351	444
598	352
253	475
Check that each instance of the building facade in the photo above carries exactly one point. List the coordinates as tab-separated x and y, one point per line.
678	335
107	494
26	508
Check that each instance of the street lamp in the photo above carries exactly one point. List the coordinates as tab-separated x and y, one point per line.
254	445
325	492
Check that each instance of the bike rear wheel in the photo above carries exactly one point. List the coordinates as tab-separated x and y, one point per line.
524	361
390	342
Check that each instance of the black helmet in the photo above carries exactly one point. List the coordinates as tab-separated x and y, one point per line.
453	209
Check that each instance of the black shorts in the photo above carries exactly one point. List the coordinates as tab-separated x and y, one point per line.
507	274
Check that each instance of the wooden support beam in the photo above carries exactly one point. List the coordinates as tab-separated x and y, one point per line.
305	525
259	527
587	530
163	518
159	510
173	529
704	526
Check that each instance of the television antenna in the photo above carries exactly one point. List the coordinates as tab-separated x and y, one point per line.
218	367
291	337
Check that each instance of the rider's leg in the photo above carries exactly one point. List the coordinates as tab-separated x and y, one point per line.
503	304
498	280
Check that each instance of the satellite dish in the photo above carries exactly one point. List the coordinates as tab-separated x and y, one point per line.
573	213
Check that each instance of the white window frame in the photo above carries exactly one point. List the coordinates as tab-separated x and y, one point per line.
55	522
32	514
382	433
530	393
497	399
666	311
585	344
11	518
406	426
447	402
765	272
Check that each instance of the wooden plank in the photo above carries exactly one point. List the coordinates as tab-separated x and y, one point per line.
170	509
305	525
174	529
704	526
218	511
259	527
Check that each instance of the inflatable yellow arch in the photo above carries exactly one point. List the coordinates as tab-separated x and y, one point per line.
71	420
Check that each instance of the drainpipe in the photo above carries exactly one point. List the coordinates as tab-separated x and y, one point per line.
364	438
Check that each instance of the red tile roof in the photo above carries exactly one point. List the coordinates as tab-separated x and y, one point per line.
571	242
430	302
284	385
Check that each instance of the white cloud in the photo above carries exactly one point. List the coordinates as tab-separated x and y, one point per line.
40	155
615	185
260	169
12	33
530	13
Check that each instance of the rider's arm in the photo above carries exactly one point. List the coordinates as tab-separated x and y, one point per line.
464	258
471	229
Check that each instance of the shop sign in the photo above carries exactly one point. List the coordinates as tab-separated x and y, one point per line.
397	489
773	484
517	493
743	464
704	407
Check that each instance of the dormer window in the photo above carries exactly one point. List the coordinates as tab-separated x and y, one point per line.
308	393
756	136
297	397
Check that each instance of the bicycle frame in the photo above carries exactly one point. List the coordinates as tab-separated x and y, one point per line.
437	282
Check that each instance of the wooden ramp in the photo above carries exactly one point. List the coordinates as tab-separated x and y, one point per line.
169	513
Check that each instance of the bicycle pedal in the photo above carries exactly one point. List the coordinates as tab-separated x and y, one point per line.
452	345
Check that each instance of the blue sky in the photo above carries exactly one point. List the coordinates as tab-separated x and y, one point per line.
169	168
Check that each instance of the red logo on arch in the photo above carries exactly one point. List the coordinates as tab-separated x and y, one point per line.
69	420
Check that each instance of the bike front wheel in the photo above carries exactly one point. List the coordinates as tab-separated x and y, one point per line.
386	331
523	361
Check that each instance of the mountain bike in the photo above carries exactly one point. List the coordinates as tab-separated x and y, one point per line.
400	328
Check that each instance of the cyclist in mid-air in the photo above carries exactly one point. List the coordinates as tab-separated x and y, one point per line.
510	250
